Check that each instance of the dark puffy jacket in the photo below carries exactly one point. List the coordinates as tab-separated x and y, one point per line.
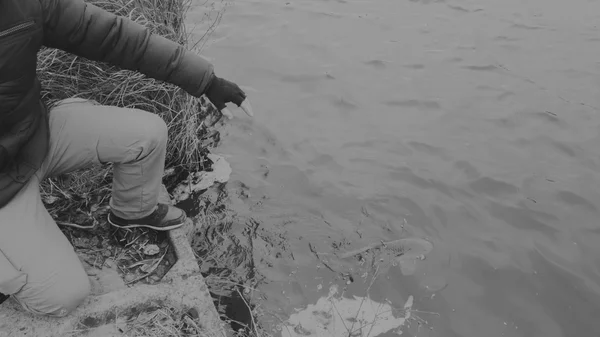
84	30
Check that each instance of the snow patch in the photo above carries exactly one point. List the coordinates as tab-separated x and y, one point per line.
334	316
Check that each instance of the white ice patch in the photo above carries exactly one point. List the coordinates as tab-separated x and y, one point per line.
335	316
198	181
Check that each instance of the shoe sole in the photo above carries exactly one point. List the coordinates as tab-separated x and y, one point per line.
166	228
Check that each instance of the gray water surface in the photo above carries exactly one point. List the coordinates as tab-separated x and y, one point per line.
473	124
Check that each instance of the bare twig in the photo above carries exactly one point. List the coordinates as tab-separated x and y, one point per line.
251	313
150	272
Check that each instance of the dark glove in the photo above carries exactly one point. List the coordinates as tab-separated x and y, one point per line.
221	91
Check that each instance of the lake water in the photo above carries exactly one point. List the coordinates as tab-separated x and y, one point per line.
473	124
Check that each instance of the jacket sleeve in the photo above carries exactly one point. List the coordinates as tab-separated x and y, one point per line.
88	31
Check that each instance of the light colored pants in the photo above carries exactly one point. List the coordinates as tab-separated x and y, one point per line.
45	275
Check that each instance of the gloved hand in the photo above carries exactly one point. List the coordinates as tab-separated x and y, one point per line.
221	91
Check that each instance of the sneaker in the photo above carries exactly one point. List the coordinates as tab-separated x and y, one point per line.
164	218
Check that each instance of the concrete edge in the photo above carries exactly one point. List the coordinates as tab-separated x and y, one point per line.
186	259
183	288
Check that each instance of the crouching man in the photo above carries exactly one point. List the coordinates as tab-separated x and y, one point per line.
38	267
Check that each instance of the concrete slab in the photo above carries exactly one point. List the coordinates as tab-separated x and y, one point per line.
183	288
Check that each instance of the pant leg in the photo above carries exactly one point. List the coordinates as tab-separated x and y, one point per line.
135	141
48	276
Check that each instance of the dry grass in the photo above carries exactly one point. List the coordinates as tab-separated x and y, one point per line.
162	322
189	119
149	320
64	75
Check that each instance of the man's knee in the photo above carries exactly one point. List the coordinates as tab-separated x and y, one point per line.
150	137
59	299
157	131
71	297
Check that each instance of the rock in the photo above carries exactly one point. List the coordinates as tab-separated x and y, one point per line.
169	172
81	242
193	313
110	263
94	241
151	249
147	267
155	278
105	243
50	199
